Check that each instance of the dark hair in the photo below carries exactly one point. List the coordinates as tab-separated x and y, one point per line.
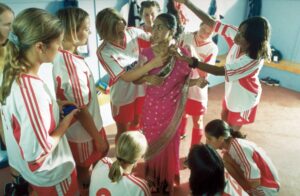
172	10
207	170
149	4
257	34
171	23
218	128
106	21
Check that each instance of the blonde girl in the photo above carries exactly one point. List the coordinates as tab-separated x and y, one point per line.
115	178
74	82
36	145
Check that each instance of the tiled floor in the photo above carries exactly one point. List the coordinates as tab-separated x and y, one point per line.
276	130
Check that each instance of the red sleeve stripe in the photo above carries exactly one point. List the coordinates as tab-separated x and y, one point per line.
71	76
243	158
71	67
228	39
106	67
141	183
34	114
217	27
88	85
75	80
243	69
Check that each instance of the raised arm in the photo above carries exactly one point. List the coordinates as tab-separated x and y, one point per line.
206	19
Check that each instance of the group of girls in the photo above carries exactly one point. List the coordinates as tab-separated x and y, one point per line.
151	79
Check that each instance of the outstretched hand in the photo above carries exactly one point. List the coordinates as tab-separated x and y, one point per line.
202	82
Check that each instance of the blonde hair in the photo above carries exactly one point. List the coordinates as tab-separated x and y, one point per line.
130	147
72	19
106	21
31	26
4	8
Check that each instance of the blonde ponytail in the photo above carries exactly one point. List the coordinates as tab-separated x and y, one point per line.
130	147
31	26
116	171
14	65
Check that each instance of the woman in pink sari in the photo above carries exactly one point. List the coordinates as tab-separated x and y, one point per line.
163	108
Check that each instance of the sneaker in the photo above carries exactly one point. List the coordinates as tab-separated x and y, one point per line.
270	81
265	80
273	82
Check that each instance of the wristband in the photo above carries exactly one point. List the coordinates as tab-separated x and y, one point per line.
194	63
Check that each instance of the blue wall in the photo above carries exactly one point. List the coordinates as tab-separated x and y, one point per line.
284	18
287	79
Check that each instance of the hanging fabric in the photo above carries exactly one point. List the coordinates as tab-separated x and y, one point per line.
133	14
70	3
254	8
212	9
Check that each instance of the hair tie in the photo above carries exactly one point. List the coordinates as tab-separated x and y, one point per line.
12	37
125	161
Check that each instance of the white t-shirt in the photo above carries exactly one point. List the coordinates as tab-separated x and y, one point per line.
242	86
129	185
73	81
206	52
117	60
254	163
29	116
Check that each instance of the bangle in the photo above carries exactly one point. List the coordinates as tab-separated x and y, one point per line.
195	62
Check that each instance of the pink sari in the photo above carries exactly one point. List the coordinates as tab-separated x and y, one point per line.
162	112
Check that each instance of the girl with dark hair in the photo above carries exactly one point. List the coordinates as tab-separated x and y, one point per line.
208	176
247	163
164	106
249	46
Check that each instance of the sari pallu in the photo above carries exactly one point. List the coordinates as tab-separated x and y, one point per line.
163	109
